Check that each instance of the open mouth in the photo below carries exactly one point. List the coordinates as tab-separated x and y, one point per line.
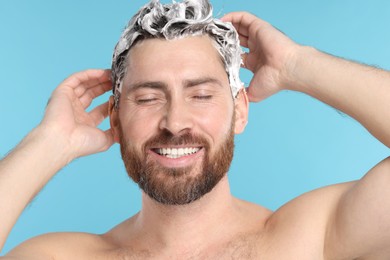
175	153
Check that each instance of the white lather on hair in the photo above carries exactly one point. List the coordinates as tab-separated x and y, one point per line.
174	21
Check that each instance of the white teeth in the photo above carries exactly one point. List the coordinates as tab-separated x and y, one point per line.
177	152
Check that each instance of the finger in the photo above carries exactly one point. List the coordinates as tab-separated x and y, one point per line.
93	91
243	41
240	20
243	18
87	98
92	82
109	139
87	78
103	141
99	113
249	95
244	59
95	81
243	21
90	94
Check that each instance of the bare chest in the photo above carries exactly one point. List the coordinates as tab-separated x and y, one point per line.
245	247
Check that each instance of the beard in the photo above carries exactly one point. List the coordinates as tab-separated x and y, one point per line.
177	186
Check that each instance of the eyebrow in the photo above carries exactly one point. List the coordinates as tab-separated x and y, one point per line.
201	81
163	86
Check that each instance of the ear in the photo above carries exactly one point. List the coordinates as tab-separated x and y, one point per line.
241	104
114	118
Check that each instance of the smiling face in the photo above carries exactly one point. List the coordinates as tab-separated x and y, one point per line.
176	119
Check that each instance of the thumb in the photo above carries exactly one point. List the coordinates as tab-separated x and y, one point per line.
253	93
248	93
256	92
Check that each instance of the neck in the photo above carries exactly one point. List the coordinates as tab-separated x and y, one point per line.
187	226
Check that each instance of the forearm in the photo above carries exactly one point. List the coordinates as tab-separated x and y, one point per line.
24	172
360	91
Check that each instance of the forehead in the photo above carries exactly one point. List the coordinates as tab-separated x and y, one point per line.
159	59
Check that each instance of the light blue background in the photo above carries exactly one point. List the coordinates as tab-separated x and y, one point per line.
292	144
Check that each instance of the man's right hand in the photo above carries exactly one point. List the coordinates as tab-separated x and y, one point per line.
66	132
66	116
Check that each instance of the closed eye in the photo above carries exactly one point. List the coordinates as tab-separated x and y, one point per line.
146	100
203	97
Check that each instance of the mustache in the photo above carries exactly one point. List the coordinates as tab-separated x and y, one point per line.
166	138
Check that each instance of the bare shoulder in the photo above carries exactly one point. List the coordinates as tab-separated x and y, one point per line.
301	224
313	203
61	246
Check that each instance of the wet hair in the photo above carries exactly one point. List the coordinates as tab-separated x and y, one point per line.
174	21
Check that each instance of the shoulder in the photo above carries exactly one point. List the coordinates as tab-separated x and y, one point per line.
316	204
302	223
60	246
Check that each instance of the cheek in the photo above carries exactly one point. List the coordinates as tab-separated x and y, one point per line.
216	122
138	127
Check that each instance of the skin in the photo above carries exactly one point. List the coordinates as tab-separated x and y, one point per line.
344	221
170	104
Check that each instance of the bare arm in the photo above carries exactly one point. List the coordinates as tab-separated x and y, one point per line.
362	92
65	133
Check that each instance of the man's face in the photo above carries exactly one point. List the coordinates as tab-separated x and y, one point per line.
176	118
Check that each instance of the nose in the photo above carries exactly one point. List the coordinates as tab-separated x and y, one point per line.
177	118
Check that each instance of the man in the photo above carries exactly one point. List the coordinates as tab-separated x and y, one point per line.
174	112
